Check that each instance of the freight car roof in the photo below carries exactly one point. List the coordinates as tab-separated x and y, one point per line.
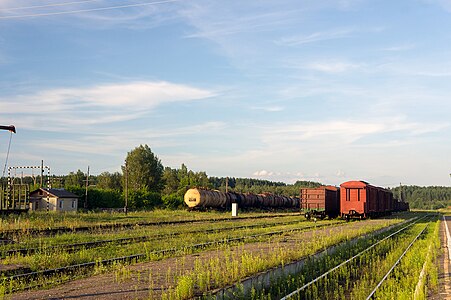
355	183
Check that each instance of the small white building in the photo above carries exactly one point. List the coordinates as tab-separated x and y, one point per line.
53	200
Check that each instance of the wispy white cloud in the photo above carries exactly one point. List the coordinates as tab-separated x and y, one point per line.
289	177
97	14
398	48
315	37
100	104
107	140
332	66
263	173
216	20
346	132
340	173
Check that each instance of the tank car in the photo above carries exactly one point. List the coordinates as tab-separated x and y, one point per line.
203	198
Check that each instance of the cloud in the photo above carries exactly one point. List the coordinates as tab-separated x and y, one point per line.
217	20
263	173
99	104
403	47
332	67
315	37
346	132
96	14
340	174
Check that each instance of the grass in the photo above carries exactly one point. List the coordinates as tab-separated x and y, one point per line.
49	259
356	279
230	266
45	220
217	274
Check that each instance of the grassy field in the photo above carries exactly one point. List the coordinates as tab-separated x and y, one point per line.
43	220
289	236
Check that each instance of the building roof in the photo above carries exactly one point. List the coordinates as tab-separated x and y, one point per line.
60	193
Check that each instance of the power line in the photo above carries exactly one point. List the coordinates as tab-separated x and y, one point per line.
49	5
86	10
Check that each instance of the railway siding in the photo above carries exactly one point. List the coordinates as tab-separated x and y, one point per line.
156	277
83	268
364	275
13	233
135	239
264	279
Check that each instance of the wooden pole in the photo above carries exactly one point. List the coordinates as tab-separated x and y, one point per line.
86	189
126	188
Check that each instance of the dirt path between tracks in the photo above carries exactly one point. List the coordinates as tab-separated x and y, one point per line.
149	280
444	292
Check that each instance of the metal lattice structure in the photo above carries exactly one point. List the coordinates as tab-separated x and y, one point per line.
15	196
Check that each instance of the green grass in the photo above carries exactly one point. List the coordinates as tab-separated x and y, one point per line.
45	220
356	279
192	234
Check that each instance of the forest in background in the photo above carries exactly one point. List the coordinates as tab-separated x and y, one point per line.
424	197
148	184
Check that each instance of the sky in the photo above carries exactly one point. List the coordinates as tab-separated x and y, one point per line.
283	90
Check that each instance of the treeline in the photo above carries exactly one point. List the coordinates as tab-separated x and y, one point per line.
430	197
145	183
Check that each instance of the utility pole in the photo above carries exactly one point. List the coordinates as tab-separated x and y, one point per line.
86	189
42	172
227	185
126	189
400	192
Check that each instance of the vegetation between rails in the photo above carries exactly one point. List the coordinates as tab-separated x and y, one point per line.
59	258
228	267
48	220
47	259
43	244
54	258
357	278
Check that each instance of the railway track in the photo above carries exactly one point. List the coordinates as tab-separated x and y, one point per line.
75	271
370	296
9	234
296	294
128	240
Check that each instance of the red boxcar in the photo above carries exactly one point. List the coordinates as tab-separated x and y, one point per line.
320	202
360	199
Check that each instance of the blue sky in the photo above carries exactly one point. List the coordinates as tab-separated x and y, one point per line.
278	90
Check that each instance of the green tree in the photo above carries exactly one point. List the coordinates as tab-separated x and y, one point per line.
144	170
171	181
75	179
109	181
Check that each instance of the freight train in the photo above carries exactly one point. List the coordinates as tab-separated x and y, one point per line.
197	198
353	199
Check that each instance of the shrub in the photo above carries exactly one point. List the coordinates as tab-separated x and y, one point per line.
173	201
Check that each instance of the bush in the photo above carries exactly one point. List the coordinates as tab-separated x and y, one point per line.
98	198
173	201
144	199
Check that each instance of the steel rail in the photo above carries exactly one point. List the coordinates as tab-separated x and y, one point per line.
128	240
78	267
292	294
395	264
64	229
